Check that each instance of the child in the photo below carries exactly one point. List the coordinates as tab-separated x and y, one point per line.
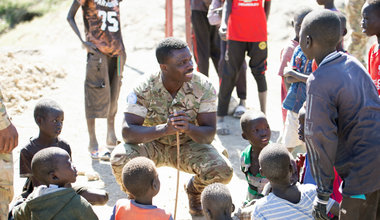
217	202
246	32
328	4
287	200
141	180
54	198
371	27
342	120
287	52
105	61
255	129
296	75
49	117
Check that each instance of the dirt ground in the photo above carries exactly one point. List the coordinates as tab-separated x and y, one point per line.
49	42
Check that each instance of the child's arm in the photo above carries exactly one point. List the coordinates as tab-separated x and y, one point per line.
90	47
294	76
267	8
225	15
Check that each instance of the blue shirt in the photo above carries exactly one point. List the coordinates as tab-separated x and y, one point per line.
297	91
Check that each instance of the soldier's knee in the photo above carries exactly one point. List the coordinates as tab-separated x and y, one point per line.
225	172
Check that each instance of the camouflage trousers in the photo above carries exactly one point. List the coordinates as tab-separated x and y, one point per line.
358	38
203	160
6	184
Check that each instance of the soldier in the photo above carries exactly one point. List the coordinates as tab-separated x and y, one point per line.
8	141
358	38
105	61
176	99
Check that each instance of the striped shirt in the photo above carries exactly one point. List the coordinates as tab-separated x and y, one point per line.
273	207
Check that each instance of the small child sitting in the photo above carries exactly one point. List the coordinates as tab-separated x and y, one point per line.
217	202
54	198
256	130
49	117
287	200
141	180
371	27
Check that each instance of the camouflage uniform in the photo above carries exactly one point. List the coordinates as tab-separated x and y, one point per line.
154	103
6	168
358	38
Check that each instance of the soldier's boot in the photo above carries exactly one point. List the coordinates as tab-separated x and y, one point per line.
263	101
195	207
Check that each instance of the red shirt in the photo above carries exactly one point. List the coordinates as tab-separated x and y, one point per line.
126	209
374	65
247	21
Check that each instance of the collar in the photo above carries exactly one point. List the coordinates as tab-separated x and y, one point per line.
330	57
187	87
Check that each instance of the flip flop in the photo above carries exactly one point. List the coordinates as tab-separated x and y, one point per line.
94	155
222	128
239	111
106	156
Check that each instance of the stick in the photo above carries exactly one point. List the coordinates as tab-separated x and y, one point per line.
176	191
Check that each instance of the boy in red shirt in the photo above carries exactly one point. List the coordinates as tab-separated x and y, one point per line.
245	22
371	26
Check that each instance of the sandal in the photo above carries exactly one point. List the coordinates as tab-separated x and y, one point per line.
106	156
239	111
222	128
94	155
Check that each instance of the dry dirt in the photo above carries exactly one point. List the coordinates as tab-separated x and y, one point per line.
44	58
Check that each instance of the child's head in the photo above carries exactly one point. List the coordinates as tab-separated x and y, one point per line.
49	117
53	165
320	33
325	2
217	202
371	18
275	164
298	18
140	177
301	124
255	128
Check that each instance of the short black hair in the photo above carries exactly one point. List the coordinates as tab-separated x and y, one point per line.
375	5
138	175
274	161
44	106
164	48
44	162
250	116
323	26
216	193
301	13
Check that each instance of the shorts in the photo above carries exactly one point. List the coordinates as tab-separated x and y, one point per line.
6	184
102	85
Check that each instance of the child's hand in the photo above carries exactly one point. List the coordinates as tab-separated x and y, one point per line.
90	47
223	32
287	71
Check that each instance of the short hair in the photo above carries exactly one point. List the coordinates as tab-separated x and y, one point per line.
375	5
216	193
323	26
164	48
44	106
274	161
138	175
44	162
301	13
249	116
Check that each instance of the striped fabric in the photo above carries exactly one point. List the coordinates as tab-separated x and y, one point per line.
272	207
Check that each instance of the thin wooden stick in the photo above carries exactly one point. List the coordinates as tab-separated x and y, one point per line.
176	191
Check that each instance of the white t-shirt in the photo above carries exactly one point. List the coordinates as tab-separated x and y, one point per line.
272	207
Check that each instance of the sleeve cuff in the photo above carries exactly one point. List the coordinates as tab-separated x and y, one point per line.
4	121
136	109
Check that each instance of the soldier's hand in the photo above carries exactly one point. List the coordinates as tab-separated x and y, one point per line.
90	47
319	209
180	121
8	139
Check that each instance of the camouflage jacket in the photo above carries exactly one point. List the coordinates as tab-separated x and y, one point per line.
153	102
4	119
